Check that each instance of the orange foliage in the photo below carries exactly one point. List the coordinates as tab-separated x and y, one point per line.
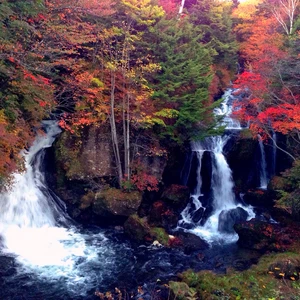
267	102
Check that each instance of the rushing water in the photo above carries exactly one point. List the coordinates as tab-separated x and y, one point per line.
37	232
204	220
46	255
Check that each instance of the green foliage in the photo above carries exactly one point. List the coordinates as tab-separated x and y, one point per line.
96	82
216	24
67	150
184	79
181	291
288	190
160	235
255	283
292	175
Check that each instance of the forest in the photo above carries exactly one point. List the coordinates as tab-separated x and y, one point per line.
132	84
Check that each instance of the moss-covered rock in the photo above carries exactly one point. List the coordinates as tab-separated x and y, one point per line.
278	183
87	200
116	202
159	234
137	228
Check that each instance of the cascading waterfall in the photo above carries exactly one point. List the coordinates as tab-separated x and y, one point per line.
205	220
35	229
263	165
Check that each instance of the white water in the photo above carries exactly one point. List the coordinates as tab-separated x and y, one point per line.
35	229
225	110
263	165
222	185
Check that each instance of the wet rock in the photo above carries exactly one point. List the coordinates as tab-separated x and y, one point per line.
192	206
197	216
262	236
258	197
201	256
177	196
187	226
191	242
116	202
137	228
228	218
207	213
7	267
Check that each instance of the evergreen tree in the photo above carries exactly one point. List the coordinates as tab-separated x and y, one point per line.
184	79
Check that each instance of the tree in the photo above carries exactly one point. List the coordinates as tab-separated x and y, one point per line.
269	82
284	12
213	19
26	89
182	84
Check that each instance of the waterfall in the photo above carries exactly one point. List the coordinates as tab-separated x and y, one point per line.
205	219
35	229
27	202
263	165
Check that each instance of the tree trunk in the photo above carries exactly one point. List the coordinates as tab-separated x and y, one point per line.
181	7
127	139
114	135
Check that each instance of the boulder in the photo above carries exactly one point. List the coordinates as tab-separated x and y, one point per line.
116	202
198	214
258	197
162	215
262	236
137	228
177	196
191	242
228	218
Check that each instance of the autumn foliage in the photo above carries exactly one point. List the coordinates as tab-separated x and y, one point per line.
270	96
137	67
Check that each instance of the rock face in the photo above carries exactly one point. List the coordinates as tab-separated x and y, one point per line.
84	165
228	218
87	155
